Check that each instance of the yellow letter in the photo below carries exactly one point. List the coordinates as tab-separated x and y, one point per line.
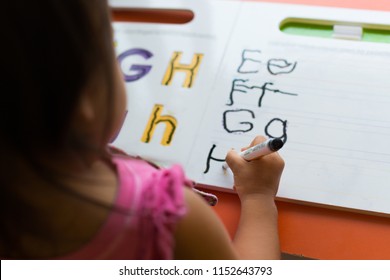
154	120
191	70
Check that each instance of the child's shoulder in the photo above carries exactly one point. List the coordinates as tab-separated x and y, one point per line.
120	157
140	167
168	179
137	175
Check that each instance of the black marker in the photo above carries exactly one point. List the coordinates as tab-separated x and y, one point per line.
267	147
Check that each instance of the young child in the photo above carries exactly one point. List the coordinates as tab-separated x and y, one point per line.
63	194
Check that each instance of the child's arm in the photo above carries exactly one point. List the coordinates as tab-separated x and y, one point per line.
256	183
201	235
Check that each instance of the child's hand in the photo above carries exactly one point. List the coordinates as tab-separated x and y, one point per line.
259	176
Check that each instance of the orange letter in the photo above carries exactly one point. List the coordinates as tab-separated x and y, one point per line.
154	120
191	70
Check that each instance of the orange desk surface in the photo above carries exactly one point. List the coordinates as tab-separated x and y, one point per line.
316	232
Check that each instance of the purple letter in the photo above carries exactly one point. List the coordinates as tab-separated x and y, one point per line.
141	70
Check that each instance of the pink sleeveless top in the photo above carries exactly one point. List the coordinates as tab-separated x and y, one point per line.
150	203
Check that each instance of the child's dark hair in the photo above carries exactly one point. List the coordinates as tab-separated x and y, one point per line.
50	49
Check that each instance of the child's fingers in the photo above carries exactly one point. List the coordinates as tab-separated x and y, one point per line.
245	148
233	157
257	140
234	160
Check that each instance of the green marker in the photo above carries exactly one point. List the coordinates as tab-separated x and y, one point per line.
328	29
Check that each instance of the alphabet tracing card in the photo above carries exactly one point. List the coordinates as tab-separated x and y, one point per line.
316	77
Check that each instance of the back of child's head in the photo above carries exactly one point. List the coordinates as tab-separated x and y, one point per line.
50	50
